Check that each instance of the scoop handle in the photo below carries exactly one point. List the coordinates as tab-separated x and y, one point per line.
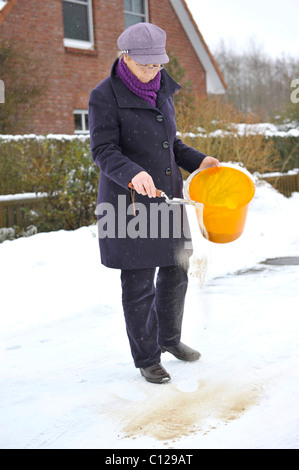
158	191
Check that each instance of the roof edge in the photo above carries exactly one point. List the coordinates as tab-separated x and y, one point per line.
205	44
209	62
6	10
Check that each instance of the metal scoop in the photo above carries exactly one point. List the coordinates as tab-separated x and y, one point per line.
176	200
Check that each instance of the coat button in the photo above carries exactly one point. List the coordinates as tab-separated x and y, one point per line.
165	145
160	118
168	171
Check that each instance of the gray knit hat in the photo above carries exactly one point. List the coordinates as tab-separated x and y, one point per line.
144	43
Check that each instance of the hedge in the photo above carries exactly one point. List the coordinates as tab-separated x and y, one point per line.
288	149
62	167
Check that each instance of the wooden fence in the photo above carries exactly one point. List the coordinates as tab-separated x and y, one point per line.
13	209
285	184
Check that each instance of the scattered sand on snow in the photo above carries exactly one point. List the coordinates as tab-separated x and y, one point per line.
170	413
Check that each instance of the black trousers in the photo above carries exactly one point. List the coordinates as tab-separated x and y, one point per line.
153	310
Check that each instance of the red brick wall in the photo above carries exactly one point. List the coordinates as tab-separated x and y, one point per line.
71	74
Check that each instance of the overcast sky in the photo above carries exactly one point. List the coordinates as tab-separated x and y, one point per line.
273	24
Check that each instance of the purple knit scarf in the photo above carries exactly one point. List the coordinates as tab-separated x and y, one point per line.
147	91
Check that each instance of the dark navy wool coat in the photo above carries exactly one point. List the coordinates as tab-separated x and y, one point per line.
129	135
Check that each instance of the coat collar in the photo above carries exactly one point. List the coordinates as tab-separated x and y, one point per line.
126	99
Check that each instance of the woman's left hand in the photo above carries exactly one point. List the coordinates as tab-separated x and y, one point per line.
208	162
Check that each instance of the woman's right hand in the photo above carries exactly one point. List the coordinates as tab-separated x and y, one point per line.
143	184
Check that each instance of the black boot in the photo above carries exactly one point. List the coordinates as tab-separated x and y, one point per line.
182	352
155	374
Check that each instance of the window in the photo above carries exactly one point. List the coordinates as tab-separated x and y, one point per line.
77	22
81	121
136	11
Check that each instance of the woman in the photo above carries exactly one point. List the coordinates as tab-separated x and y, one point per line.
133	141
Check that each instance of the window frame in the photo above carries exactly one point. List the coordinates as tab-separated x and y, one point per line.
82	113
145	15
78	44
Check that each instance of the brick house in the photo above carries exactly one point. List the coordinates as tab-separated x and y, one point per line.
76	44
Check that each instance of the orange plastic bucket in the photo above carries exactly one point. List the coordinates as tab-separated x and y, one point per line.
221	196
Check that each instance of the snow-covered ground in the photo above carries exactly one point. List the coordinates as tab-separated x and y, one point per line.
67	377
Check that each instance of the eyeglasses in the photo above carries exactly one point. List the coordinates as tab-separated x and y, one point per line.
150	68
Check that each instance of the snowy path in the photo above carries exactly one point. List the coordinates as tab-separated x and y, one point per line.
66	375
70	383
